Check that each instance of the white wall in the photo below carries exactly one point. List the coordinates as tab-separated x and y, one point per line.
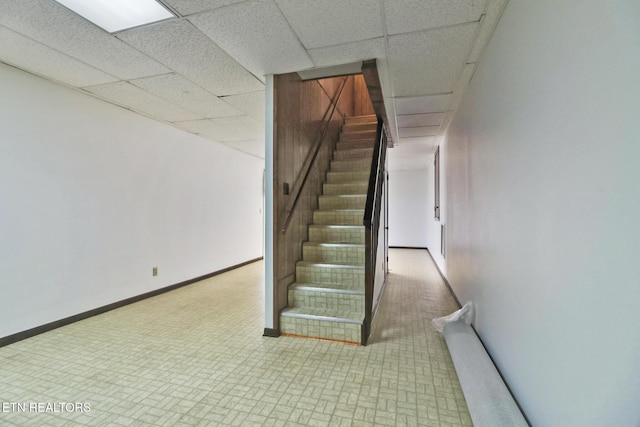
93	196
544	204
409	209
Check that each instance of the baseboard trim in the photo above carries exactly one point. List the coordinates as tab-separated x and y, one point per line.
19	336
444	279
271	333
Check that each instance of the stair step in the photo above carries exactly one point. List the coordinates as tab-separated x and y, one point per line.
343	253
351	187
344	177
338	217
342	201
327	300
350	145
328	288
353	153
324	296
322	323
334	273
350	165
336	233
357	136
322	314
371	118
360	127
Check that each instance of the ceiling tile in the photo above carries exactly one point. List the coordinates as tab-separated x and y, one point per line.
256	34
429	62
252	104
487	26
321	23
188	7
178	71
34	57
230	129
255	148
181	47
347	53
423	104
130	96
418	131
184	93
403	16
53	25
416	120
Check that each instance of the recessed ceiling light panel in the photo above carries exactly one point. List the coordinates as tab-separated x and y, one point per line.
118	15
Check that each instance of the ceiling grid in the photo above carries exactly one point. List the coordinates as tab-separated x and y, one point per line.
203	71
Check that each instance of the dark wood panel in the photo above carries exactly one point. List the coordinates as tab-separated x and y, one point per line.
362	105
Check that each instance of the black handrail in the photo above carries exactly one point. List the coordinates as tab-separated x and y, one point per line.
309	161
371	221
373	177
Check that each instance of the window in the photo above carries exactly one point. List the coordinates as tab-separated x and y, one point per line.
436	180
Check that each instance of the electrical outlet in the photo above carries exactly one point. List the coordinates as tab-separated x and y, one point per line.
155	271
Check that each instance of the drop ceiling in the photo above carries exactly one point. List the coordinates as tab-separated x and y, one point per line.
203	71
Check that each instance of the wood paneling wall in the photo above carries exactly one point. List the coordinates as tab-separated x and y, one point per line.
301	110
362	105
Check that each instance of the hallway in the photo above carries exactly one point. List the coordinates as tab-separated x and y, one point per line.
195	356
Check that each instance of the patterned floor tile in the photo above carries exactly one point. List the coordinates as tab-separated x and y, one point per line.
196	356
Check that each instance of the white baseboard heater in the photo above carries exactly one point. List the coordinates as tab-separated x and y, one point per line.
489	401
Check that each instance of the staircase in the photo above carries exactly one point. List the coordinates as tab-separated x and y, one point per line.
327	299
